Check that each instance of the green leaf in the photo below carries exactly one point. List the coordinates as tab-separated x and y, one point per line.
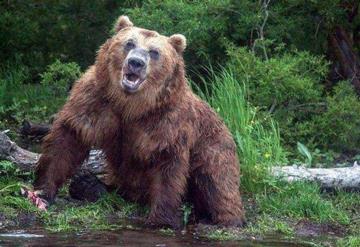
304	151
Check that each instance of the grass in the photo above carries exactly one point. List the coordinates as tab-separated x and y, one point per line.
11	202
257	136
267	223
301	200
102	215
352	241
63	215
221	234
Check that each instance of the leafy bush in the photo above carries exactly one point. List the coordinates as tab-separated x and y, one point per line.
20	100
282	81
338	128
286	86
59	77
289	86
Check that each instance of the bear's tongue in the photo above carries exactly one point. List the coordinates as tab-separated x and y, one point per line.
132	78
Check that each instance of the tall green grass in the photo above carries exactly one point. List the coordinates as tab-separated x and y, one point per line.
257	136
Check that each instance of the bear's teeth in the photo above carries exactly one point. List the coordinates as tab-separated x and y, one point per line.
133	82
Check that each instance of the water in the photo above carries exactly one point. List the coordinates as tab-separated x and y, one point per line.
39	237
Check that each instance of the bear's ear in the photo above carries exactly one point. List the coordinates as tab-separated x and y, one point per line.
122	22
178	41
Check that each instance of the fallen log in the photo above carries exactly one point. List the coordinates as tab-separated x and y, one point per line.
10	151
328	178
26	160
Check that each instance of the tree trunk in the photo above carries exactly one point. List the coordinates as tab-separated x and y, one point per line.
346	63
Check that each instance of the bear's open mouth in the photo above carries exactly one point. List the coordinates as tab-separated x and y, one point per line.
131	81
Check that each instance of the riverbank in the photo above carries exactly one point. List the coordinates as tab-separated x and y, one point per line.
299	213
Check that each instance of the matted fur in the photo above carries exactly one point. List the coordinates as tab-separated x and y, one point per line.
163	144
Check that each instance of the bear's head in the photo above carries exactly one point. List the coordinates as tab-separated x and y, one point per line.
142	63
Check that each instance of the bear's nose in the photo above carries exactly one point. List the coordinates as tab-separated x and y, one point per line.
136	64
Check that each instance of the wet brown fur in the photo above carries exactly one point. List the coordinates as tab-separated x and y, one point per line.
163	144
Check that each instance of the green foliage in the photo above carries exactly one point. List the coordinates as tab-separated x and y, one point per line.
7	168
59	77
11	202
90	216
304	151
352	241
257	138
267	223
20	100
295	25
283	81
303	25
221	234
286	86
289	86
301	200
338	128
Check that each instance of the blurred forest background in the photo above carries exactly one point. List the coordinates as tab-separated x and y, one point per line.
295	64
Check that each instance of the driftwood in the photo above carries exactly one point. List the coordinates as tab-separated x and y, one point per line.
328	178
26	160
345	178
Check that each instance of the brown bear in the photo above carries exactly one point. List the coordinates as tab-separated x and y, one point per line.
163	144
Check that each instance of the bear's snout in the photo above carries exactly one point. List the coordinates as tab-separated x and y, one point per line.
134	70
136	61
136	64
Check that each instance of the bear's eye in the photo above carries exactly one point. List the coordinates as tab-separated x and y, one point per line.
154	54
129	45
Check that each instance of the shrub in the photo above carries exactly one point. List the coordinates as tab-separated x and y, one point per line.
338	128
283	81
20	100
59	77
288	86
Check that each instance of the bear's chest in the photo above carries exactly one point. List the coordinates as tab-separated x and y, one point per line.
141	141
